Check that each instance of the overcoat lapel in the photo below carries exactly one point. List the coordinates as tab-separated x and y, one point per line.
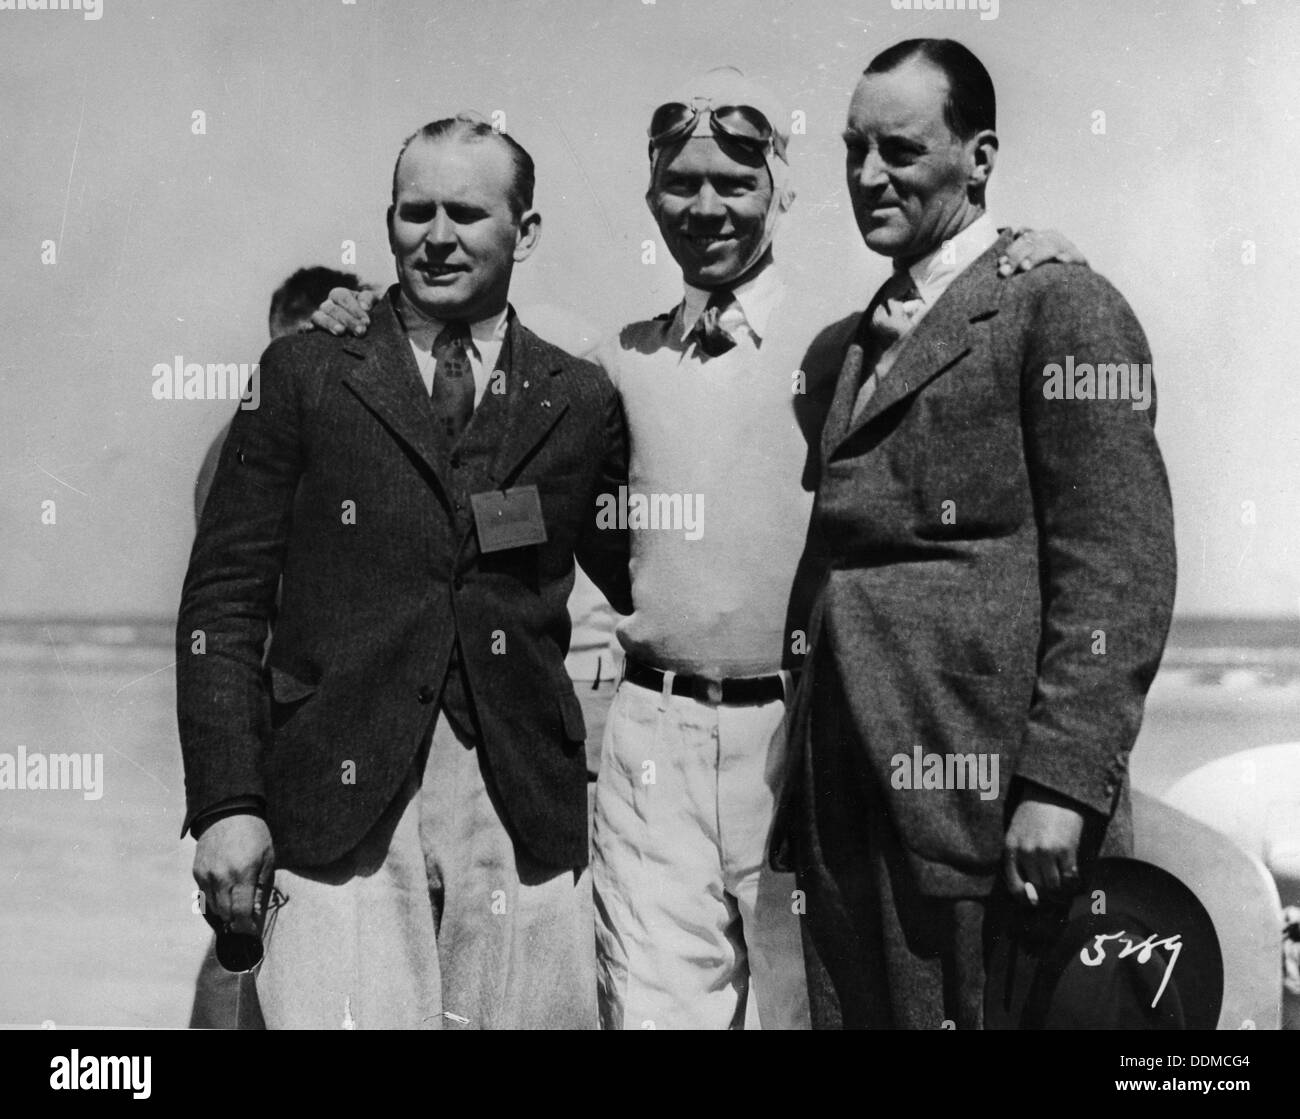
846	388
387	381
535	399
939	344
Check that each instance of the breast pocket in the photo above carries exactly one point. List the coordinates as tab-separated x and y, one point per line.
967	464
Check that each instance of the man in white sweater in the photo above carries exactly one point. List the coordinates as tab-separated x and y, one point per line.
693	930
687	911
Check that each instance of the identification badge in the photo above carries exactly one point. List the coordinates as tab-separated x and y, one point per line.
508	518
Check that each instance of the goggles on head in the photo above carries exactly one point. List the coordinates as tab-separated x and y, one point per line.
741	124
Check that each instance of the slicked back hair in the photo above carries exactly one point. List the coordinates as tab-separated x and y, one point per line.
971	106
304	291
472	130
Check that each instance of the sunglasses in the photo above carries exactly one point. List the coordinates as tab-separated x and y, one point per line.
742	124
241	952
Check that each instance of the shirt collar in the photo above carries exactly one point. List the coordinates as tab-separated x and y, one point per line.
756	298
933	273
424	329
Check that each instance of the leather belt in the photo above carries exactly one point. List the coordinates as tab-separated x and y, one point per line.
737	691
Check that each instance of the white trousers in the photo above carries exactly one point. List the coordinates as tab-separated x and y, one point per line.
693	930
435	921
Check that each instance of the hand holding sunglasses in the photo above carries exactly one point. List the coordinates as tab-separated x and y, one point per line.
240	952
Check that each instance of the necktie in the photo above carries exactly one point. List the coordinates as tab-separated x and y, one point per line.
893	309
453	380
896	305
710	338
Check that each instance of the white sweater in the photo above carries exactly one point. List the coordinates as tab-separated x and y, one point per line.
721	430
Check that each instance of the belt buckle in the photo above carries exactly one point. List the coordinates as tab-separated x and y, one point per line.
710	691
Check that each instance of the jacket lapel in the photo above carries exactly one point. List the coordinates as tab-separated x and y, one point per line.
388	382
943	338
535	399
846	389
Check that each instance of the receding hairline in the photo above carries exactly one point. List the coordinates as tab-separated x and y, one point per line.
468	139
519	192
919	61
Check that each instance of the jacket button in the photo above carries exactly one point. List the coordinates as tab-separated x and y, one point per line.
455	460
458	583
426	694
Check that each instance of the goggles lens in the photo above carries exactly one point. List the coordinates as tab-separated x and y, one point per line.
741	123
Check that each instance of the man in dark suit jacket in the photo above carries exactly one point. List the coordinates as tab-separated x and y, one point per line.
999	572
409	761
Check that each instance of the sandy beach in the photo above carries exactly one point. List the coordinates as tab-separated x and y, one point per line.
97	927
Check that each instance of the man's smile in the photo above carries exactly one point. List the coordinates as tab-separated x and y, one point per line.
709	240
434	272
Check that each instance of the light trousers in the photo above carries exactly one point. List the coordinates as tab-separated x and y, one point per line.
435	921
693	929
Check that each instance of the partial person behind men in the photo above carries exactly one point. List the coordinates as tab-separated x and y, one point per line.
291	308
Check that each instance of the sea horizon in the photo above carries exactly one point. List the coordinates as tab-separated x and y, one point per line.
1200	643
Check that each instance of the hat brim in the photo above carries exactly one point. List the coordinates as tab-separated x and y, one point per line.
1026	952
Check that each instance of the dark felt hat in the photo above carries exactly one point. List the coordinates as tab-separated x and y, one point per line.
1133	949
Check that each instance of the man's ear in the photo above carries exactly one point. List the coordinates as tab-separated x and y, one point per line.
388	224
530	232
983	150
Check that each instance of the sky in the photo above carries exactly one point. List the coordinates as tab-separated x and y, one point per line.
1160	137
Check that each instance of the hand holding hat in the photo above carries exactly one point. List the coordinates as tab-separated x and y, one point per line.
1041	852
1134	949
